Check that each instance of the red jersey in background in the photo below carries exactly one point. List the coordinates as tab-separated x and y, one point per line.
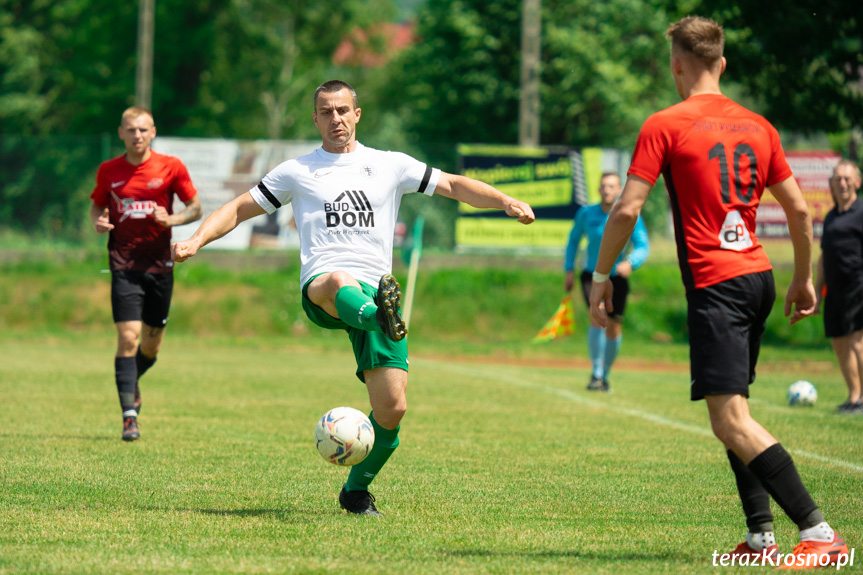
132	194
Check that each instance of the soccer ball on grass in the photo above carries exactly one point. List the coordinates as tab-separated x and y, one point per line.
344	436
802	393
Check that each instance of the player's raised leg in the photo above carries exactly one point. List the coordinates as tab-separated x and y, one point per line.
143	363
388	300
341	296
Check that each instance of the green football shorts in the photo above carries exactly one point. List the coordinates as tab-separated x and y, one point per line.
371	348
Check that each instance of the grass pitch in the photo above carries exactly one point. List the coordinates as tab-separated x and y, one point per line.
502	468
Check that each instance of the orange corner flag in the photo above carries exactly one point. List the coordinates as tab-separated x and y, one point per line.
562	323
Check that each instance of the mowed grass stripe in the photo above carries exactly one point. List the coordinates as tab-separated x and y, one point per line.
491	477
519	377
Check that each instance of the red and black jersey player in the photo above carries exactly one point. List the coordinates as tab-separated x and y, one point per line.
133	201
717	158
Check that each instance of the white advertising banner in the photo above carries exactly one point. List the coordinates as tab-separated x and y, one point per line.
224	169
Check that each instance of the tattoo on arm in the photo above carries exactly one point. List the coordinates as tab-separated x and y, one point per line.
190	214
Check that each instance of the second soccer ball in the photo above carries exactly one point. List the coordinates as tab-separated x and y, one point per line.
802	393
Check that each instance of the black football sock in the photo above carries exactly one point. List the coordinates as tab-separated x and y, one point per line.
125	375
778	474
753	496
142	362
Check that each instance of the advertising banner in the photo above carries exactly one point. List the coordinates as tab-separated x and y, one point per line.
224	169
554	181
812	170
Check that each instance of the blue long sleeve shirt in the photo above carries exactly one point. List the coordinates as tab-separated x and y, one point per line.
591	220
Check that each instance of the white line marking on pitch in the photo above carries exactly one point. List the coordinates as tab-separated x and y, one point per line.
510	379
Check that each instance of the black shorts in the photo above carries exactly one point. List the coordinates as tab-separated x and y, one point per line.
843	309
141	296
726	322
618	296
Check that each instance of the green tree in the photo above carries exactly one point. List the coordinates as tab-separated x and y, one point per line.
268	57
460	81
229	68
67	70
603	71
70	66
803	60
53	74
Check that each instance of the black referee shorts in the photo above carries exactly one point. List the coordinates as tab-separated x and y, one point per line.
726	322
141	296
618	296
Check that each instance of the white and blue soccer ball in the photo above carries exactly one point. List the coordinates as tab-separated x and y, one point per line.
344	436
802	393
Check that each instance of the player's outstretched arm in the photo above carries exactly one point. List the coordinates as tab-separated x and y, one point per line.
217	224
801	293
481	195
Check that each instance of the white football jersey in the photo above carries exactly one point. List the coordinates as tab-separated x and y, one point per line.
345	206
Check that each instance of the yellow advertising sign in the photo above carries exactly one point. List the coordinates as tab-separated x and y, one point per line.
504	232
537	194
542	177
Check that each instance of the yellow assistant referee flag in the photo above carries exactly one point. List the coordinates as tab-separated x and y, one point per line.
562	323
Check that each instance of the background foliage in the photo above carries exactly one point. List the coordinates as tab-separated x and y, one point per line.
246	69
461	301
803	60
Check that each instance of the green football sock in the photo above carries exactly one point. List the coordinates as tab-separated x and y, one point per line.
364	472
357	309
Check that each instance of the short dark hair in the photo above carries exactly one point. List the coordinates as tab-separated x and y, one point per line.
334	86
608	174
701	37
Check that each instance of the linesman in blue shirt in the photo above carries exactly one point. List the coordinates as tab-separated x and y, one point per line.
604	344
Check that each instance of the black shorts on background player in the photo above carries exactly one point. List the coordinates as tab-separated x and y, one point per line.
141	296
843	311
842	250
618	298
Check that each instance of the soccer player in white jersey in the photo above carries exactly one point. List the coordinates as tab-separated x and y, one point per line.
346	198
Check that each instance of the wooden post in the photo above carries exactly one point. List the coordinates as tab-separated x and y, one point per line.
144	72
531	35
